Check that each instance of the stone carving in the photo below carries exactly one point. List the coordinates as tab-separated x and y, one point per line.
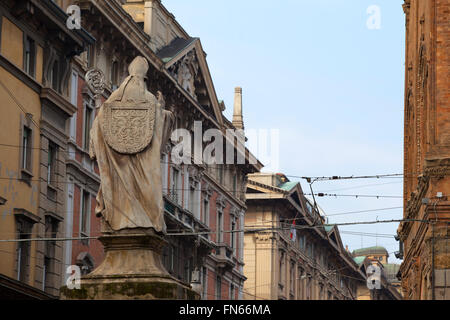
221	202
207	190
185	72
128	134
128	128
95	80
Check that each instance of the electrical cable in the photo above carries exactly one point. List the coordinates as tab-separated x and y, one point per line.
251	230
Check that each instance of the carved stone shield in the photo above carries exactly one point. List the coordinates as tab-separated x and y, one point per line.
128	128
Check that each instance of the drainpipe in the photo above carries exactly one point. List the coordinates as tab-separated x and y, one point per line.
433	297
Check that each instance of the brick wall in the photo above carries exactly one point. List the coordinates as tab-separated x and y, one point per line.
94	247
443	70
211	286
427	138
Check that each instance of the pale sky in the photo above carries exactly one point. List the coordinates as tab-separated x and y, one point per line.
331	86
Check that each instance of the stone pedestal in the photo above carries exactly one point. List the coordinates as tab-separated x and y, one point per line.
132	269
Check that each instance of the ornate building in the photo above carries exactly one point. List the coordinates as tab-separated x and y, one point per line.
35	55
206	201
389	286
424	236
293	261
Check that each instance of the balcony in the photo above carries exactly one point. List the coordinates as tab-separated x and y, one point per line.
224	256
185	221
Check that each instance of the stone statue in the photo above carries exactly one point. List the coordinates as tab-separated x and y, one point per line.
126	139
128	134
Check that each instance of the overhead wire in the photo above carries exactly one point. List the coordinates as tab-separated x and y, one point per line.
250	230
378	196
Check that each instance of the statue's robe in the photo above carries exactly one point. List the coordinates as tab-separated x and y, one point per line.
130	194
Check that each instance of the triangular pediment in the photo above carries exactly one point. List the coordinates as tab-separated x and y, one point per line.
296	195
335	237
186	62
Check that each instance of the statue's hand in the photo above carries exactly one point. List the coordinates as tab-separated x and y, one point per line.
160	98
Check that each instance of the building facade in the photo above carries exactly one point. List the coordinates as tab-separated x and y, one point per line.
424	234
284	260
35	54
385	285
206	201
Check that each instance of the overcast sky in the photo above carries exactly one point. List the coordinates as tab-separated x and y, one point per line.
330	85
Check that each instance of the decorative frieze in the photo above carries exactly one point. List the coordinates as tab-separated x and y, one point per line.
221	202
185	72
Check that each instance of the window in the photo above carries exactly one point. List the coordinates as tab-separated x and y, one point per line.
85	213
74	101
26	148
233	235
311	250
302	242
188	270
300	286
54	76
206	211
232	294
192	199
282	275
218	288
219	226
51	169
51	231
308	287
29	56
114	75
164	171
45	273
90	54
88	117
174	184
23	250
318	257
292	277
169	258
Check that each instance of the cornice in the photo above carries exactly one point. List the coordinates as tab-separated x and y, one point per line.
437	167
20	74
57	100
123	22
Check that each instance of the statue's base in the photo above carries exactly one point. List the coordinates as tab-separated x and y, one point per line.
132	269
130	289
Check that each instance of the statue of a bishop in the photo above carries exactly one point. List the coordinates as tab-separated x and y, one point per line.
127	136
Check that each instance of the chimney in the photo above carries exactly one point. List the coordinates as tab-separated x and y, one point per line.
238	121
149	8
142	12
